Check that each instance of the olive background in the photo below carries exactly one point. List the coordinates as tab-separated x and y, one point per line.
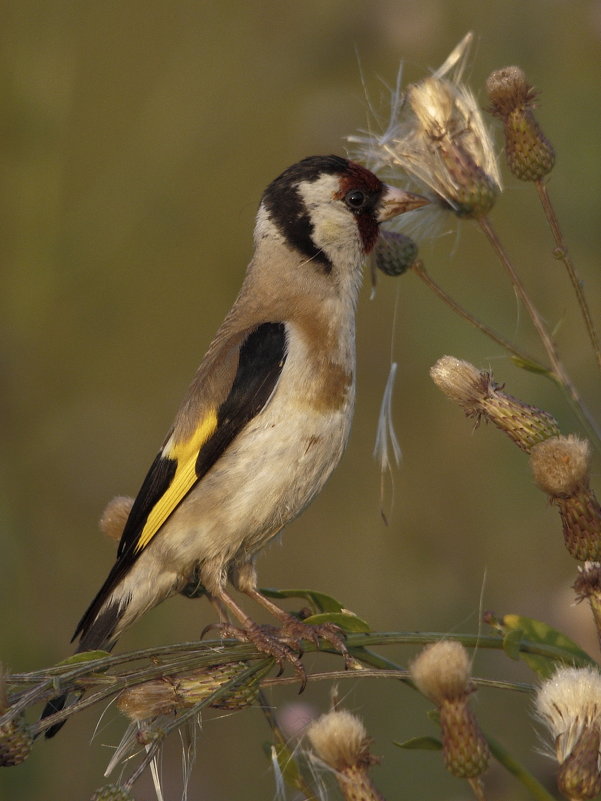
136	139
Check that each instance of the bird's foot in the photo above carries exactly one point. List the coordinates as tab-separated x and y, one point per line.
267	640
294	630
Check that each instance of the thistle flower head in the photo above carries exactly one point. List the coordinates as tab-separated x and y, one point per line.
561	464
441	671
436	135
530	155
339	738
509	90
569	703
462	382
481	397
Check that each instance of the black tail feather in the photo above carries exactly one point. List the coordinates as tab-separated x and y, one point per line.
98	637
54	705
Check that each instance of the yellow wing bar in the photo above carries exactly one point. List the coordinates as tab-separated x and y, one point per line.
185	454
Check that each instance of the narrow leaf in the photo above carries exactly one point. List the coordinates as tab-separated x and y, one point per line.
318	600
84	656
421	744
346	621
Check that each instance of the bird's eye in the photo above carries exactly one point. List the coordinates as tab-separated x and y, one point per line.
355	199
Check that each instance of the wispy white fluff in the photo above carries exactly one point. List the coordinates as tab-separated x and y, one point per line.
387	443
435	131
569	702
280	784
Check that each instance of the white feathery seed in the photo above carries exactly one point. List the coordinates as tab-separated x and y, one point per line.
569	702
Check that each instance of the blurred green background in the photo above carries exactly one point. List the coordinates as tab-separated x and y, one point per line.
137	138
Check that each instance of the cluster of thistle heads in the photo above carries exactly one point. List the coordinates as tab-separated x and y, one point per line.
437	138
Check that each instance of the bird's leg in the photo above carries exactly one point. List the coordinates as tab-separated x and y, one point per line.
292	629
263	637
221	609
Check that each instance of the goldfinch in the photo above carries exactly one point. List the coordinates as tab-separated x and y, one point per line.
266	417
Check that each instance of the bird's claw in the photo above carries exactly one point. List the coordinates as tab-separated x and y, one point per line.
267	640
296	630
284	644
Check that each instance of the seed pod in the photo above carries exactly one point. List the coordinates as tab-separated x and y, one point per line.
15	742
441	671
340	740
394	253
561	467
530	155
112	792
569	704
481	397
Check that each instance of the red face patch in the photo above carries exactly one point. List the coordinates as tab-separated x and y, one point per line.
358	178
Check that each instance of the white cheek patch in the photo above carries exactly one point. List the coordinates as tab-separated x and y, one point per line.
334	226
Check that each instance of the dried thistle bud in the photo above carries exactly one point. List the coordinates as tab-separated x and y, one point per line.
481	397
15	738
588	585
561	467
15	742
114	517
166	696
394	253
530	155
112	792
455	146
441	671
437	136
569	704
340	740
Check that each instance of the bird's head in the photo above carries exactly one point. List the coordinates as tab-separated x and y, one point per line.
329	209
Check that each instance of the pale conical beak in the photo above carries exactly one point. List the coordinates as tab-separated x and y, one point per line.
395	201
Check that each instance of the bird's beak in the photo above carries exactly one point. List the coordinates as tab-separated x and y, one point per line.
395	201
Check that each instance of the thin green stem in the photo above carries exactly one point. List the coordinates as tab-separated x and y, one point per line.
419	269
558	370
561	252
532	784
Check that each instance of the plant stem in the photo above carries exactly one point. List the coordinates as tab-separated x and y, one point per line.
561	252
558	370
419	269
519	771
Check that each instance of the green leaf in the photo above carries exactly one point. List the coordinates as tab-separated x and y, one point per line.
421	744
318	600
519	629
346	620
531	366
511	643
84	656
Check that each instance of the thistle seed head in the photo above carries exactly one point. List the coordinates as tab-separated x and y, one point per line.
437	137
394	253
569	704
339	738
561	464
441	671
530	155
